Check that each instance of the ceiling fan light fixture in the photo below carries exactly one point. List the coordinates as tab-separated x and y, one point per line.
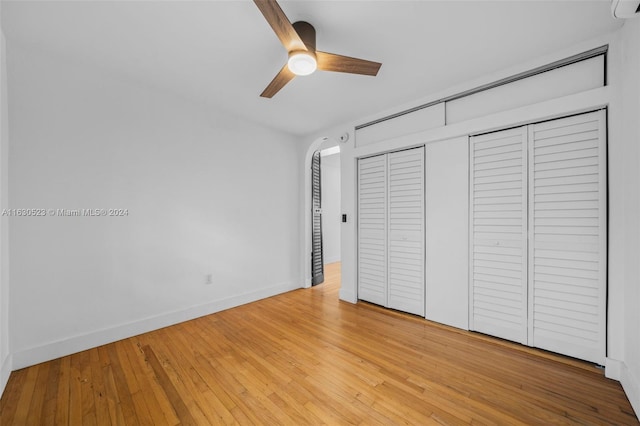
299	39
302	63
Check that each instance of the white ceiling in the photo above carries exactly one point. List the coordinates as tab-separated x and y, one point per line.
224	53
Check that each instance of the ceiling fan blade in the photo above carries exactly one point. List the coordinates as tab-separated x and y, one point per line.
338	63
282	78
280	24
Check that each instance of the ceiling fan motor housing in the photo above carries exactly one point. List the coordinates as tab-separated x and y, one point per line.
307	33
304	62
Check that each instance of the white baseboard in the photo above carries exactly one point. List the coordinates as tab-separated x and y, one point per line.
331	260
612	368
57	349
631	386
5	371
348	296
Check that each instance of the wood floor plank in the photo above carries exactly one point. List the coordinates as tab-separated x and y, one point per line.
116	416
305	357
51	391
121	388
160	409
75	391
180	407
38	398
212	399
12	394
196	397
63	392
103	416
87	385
24	401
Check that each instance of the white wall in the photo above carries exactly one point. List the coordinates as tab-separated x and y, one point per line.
5	354
331	207
424	118
625	130
207	193
447	231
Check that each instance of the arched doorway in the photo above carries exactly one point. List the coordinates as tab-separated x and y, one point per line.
329	217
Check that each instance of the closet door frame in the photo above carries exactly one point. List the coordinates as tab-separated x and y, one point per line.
604	220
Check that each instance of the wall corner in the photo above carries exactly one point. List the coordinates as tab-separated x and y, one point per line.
348	296
5	372
631	385
612	368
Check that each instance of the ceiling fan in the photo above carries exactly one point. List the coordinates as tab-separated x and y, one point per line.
299	39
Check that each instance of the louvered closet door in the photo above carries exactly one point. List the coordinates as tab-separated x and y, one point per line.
372	229
498	229
568	243
406	231
317	257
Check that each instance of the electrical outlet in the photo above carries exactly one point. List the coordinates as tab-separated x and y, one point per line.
209	279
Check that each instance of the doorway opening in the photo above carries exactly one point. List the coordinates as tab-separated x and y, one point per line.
331	217
322	205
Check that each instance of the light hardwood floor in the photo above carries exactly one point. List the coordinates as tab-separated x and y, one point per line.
305	357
